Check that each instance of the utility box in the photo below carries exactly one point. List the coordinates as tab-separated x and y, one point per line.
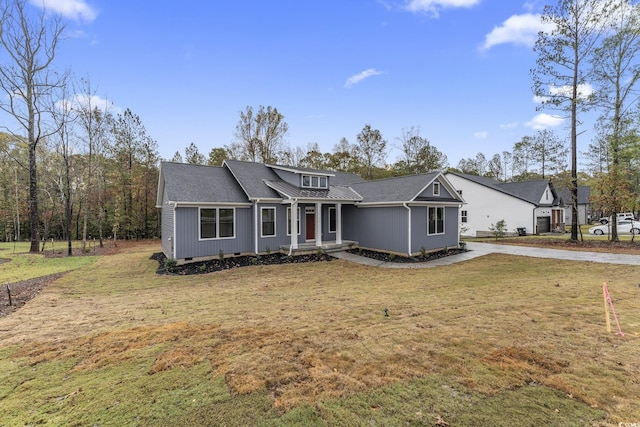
522	231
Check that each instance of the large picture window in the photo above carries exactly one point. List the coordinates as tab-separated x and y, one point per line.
268	222
217	223
436	220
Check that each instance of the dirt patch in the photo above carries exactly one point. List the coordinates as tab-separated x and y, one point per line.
22	291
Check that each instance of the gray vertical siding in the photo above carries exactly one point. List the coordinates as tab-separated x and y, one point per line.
419	236
281	238
167	234
428	192
187	242
382	228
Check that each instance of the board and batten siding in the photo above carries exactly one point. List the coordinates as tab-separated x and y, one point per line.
189	245
419	227
390	225
167	228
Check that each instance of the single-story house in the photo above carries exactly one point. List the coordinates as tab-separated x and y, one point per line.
247	208
530	207
585	215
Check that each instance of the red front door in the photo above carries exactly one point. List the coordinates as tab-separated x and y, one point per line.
311	227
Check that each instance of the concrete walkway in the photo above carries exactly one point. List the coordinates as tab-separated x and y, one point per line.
476	249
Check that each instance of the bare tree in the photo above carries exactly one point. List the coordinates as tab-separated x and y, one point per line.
420	155
260	135
372	149
28	81
560	76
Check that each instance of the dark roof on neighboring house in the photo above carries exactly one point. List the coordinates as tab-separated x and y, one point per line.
529	191
584	195
199	184
399	189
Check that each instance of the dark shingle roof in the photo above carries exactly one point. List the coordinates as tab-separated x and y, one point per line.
252	176
529	191
399	189
200	184
584	194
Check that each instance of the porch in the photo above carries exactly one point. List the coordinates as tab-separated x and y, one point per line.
312	248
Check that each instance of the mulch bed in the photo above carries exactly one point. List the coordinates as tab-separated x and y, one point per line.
211	266
382	256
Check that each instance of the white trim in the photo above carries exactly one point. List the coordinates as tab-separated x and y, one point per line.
311	178
338	223
275	222
211	204
436	185
409	228
318	224
295	218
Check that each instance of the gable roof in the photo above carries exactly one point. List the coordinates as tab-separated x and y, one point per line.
334	192
529	191
400	189
186	183
251	177
584	195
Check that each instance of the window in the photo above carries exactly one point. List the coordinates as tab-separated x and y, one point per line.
463	216
208	223
332	220
217	223
268	222
436	220
289	222
436	188
314	181
226	222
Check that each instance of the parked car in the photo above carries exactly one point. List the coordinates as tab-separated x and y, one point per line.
624	226
621	216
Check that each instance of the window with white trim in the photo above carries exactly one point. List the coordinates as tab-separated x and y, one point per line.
268	216
313	181
332	220
289	221
463	216
217	223
435	220
436	188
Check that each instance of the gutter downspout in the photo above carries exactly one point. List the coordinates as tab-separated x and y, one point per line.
409	228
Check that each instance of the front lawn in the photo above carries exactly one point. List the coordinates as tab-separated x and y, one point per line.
494	341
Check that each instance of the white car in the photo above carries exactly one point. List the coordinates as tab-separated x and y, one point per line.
625	226
621	216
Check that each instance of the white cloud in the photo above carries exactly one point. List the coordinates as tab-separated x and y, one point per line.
481	135
544	121
519	30
584	91
433	6
512	125
357	78
77	10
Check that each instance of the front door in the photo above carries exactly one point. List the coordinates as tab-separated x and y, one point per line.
310	226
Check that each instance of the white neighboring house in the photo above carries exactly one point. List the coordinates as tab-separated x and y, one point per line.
530	207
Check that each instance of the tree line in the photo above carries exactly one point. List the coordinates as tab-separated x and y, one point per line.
74	169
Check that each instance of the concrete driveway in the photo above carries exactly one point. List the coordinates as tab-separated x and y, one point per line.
477	249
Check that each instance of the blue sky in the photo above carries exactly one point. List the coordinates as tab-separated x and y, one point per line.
457	69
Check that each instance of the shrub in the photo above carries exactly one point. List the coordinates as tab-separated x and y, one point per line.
170	264
499	229
423	252
221	254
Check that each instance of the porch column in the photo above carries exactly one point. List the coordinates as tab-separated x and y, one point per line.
338	223
318	224
293	225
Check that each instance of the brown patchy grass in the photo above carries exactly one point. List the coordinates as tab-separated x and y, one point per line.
309	333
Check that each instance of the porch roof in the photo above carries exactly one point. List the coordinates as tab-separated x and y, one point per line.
335	193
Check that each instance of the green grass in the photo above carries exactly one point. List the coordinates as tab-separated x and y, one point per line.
499	340
23	265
